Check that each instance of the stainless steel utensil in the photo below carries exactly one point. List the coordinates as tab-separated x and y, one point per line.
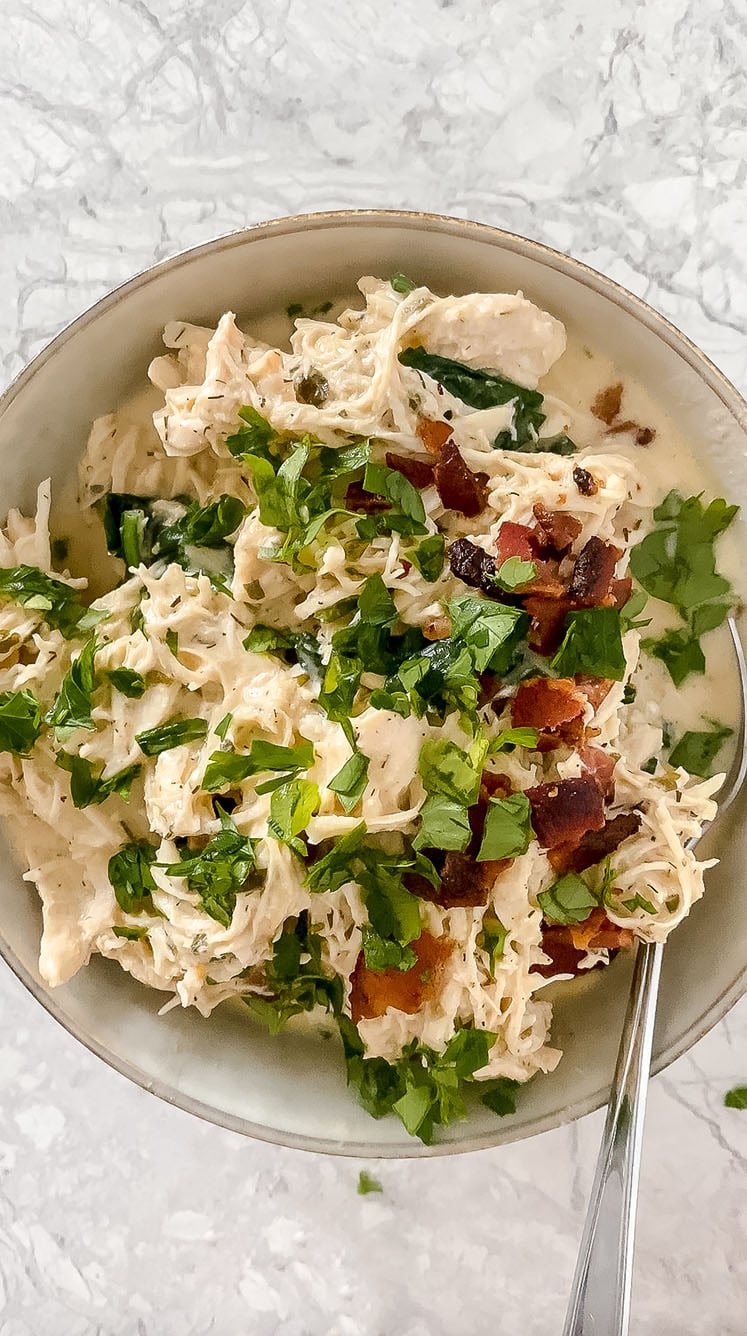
600	1295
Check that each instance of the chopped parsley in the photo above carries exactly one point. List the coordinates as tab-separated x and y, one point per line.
225	768
20	721
131	683
87	786
174	733
72	708
736	1098
402	284
676	562
508	828
366	1182
429	557
289	646
292	806
350	781
58	604
592	644
513	573
452	783
131	876
568	900
697	751
296	977
219	871
424	1088
492	939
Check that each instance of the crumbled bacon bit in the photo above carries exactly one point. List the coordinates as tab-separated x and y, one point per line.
548	622
565	810
620	590
459	488
553	705
372	991
593	573
472	565
465	882
585	481
595	689
568	945
437	628
434	434
644	436
555	528
601	766
516	540
607	404
417	471
357	499
595	845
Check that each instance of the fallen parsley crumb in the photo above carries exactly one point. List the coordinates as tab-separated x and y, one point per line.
734	1099
367	1183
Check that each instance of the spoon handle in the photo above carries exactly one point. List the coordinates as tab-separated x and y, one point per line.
600	1297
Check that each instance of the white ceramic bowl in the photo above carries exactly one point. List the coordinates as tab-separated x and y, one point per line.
292	1089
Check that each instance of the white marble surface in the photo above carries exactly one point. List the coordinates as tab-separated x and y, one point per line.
129	130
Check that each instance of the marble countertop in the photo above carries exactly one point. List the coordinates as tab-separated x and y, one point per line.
133	128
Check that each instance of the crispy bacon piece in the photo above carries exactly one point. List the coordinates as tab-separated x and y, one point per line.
563	811
601	766
645	435
620	590
568	945
459	488
555	528
548	616
607	404
357	499
553	705
417	471
437	628
585	481
465	882
516	540
372	991
472	565
595	689
595	845
593	573
434	434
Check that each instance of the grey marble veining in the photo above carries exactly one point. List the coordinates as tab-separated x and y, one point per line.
129	130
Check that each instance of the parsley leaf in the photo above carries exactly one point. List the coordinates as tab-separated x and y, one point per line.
128	681
174	733
382	953
288	645
407	514
219	871
222	728
297	978
87	788
491	631
20	721
393	911
131	877
130	934
254	436
696	751
232	767
291	808
680	652
592	644
339	689
568	900
366	1182
630	613
508	828
72	708
423	1088
736	1098
401	283
483	389
510	738
513	573
56	601
350	781
429	557
492	939
452	783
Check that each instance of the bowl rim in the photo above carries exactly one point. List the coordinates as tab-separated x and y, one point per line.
627	301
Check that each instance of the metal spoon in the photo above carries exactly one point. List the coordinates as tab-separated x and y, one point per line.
600	1296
